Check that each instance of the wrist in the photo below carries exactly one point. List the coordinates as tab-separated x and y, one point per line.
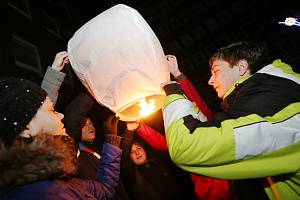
180	77
176	74
55	68
112	139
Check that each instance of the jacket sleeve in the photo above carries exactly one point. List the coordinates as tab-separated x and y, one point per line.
128	170
227	146
127	139
191	141
108	173
155	139
51	83
194	96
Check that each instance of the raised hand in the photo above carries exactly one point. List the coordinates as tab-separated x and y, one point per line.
132	126
61	58
173	65
110	126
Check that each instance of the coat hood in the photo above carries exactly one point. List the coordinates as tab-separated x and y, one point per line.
38	158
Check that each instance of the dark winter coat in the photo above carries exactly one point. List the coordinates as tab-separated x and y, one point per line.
43	169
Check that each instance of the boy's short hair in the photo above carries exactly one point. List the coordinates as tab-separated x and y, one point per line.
257	55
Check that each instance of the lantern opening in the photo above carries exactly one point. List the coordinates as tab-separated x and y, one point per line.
141	108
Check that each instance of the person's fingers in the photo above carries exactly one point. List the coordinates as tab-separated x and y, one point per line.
62	52
61	55
110	118
169	57
66	60
115	120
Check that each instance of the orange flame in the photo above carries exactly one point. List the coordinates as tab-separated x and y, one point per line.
146	108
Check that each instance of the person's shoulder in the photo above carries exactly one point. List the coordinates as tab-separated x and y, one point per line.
35	190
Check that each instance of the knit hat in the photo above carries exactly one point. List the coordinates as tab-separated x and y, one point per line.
76	113
20	99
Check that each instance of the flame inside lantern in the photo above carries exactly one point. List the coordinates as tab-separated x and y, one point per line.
146	108
141	108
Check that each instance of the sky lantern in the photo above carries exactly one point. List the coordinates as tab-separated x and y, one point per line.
120	61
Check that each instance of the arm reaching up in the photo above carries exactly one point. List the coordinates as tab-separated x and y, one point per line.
187	87
108	172
60	60
53	77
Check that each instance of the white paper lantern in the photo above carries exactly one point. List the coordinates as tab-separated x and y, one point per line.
119	59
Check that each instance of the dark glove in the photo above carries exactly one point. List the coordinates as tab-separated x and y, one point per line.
110	129
172	88
110	126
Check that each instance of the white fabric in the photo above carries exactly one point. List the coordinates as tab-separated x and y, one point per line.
179	109
275	71
256	139
118	58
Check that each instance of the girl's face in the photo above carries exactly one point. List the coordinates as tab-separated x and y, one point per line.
88	132
138	154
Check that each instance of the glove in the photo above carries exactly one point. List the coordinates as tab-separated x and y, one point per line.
111	125
172	87
110	128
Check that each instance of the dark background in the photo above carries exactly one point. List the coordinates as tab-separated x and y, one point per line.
33	31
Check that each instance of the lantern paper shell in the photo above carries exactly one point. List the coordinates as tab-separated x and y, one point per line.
119	59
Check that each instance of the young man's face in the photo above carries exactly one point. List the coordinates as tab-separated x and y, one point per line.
138	154
46	120
223	76
88	132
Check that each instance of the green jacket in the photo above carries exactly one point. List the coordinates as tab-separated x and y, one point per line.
257	135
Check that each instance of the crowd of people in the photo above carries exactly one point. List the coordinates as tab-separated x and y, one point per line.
250	150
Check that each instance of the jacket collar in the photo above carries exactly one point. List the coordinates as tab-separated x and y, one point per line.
236	84
40	158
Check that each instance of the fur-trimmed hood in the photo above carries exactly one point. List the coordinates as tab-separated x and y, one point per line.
39	158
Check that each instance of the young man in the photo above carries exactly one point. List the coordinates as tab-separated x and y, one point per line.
35	163
256	136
